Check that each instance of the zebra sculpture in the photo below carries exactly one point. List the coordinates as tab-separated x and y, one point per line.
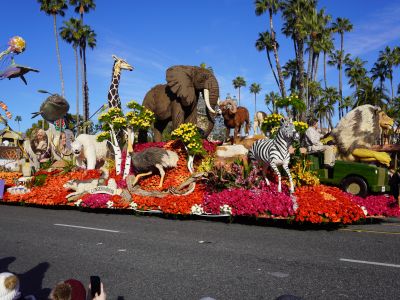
275	151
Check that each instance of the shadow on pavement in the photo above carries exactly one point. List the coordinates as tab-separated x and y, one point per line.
30	281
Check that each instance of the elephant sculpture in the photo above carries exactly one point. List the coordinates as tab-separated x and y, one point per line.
177	100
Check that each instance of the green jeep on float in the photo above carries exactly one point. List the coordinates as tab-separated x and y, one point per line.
356	178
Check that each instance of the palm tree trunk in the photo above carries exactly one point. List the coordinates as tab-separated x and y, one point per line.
391	86
325	69
239	97
278	65
316	67
58	55
341	114
273	71
83	85
255	103
77	87
85	89
300	64
310	54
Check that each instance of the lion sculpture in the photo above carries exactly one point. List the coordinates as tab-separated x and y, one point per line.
358	131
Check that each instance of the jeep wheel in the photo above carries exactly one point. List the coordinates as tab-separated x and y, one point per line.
355	186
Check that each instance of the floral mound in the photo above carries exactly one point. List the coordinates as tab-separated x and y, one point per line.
255	203
229	190
379	205
322	203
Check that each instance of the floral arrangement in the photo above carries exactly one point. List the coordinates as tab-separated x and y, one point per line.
113	122
301	127
10	177
96	200
302	174
139	117
190	136
52	192
318	204
271	122
379	205
243	202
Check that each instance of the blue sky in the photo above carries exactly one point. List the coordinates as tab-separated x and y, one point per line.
154	35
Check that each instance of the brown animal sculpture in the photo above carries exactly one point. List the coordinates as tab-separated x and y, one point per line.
177	100
234	117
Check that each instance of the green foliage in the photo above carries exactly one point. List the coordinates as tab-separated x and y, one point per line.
40	180
293	101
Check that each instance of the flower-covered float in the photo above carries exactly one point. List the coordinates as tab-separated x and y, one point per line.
196	185
182	176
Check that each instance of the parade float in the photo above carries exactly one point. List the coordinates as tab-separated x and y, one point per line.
187	175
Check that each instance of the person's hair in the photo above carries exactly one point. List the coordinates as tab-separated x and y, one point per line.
11	282
312	121
62	291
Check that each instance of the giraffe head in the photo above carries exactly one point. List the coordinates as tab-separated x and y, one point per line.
120	64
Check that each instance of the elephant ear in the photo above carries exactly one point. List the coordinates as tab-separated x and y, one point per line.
180	81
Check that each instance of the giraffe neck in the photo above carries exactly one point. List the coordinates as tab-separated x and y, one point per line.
113	96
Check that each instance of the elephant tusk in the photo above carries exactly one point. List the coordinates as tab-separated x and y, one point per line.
207	100
218	101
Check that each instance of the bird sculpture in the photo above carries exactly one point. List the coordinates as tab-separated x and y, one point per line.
152	159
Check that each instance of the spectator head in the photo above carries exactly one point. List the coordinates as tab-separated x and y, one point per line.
9	286
70	289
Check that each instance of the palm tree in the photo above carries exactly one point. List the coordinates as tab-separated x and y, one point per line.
355	71
238	82
341	25
18	119
368	94
264	42
329	97
290	70
347	103
82	6
271	98
255	88
388	59
379	71
70	33
336	59
273	6
88	38
54	8
326	45
294	27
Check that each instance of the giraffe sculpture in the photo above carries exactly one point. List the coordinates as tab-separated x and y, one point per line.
113	96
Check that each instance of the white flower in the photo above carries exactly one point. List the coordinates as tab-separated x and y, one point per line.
78	202
110	204
133	205
197	209
364	210
225	209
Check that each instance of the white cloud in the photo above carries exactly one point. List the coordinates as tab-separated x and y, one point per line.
375	32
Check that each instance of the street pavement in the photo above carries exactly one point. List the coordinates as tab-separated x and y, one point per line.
150	257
